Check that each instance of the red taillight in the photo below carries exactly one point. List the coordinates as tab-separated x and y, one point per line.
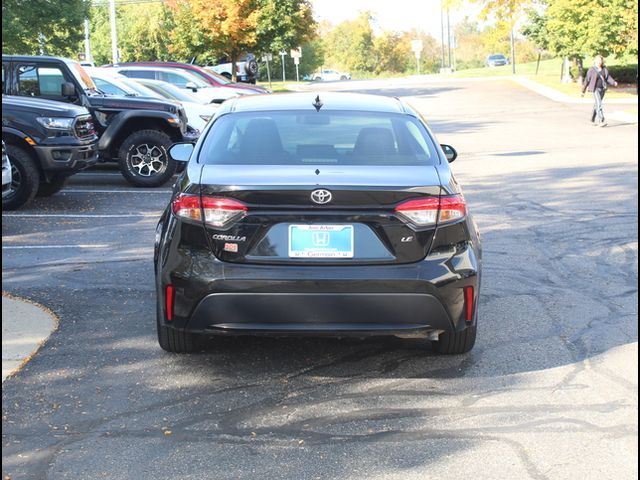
215	211
432	210
452	208
468	304
168	297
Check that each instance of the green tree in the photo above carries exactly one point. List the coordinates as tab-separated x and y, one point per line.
577	28
349	45
284	24
390	53
507	12
54	27
187	38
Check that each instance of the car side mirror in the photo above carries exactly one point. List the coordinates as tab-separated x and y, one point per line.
68	89
449	152
191	86
181	152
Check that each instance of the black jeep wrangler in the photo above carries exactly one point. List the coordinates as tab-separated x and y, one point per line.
46	142
134	131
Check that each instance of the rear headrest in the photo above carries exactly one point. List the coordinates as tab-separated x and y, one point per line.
375	141
261	137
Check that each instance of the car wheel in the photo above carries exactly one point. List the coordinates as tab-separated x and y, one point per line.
317	79
144	161
456	342
177	341
343	78
52	187
25	178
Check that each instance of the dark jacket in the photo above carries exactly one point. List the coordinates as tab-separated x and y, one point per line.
593	79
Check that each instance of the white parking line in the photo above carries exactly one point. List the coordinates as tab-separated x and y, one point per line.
79	190
78	215
26	247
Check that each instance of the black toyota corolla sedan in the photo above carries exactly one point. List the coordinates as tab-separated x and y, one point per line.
332	214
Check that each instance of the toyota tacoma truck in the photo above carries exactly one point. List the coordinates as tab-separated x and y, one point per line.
135	132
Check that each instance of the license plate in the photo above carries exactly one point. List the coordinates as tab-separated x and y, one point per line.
321	241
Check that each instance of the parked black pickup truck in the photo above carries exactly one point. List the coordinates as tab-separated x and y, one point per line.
46	141
136	132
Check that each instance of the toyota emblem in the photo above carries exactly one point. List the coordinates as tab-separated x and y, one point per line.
321	197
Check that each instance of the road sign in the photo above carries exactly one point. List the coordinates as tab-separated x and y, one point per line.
267	57
296	52
296	60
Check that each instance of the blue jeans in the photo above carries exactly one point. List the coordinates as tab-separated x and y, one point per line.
598	112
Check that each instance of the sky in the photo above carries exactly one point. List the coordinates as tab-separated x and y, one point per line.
393	15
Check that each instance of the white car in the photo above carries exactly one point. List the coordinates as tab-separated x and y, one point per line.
198	113
182	79
112	83
330	76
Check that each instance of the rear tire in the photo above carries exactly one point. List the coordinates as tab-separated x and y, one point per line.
177	341
56	184
25	178
140	170
456	342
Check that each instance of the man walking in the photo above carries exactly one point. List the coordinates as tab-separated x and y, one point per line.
596	81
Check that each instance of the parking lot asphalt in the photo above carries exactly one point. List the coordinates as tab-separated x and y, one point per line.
549	392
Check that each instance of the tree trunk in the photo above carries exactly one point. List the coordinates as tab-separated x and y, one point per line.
513	51
580	70
234	67
566	73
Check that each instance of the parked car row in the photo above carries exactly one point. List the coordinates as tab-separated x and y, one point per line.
134	112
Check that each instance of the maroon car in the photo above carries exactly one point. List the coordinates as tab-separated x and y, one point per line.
207	75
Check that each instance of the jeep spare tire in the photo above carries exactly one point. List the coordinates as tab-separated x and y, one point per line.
251	66
144	159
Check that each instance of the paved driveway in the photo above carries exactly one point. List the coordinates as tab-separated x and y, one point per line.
550	390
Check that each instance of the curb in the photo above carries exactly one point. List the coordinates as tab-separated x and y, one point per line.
26	326
557	96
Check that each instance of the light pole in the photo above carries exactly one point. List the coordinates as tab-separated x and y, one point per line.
449	37
114	32
282	55
87	43
442	31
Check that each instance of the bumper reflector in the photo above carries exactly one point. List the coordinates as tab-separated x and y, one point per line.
168	297
468	304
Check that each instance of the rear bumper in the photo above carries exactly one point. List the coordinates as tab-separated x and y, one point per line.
319	314
239	299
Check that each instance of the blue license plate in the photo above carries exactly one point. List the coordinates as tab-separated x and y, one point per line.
321	241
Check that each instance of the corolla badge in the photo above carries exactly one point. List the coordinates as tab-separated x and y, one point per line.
321	197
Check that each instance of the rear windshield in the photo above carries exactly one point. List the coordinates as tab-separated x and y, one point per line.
323	138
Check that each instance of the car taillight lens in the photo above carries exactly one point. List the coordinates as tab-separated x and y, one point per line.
215	211
433	210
